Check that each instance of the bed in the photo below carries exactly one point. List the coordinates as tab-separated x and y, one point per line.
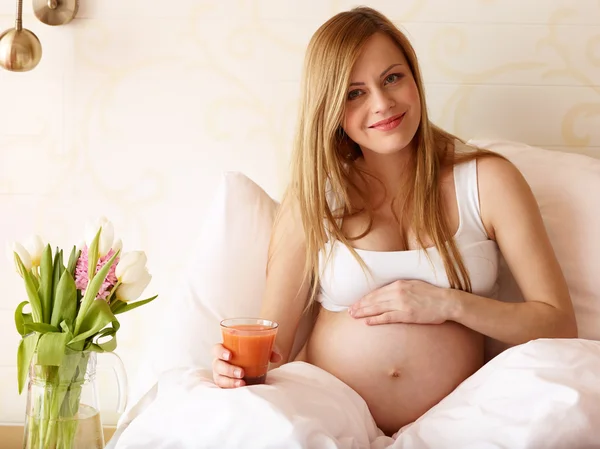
543	394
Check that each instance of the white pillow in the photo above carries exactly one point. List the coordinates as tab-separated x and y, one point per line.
225	278
566	187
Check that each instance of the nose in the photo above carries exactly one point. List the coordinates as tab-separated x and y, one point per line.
381	101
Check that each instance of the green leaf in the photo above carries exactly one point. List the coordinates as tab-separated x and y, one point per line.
122	307
77	346
51	348
20	318
27	318
65	327
117	304
109	345
46	277
65	301
97	317
24	354
107	332
58	269
93	256
94	347
34	299
35	281
73	260
91	292
42	328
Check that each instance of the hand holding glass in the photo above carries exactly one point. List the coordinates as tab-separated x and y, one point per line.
250	341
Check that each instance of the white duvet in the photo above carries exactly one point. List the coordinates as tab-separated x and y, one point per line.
541	395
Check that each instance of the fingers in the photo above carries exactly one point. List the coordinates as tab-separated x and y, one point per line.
388	291
226	375
221	352
228	382
384	318
368	299
370	310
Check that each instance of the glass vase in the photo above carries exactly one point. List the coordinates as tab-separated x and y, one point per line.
62	409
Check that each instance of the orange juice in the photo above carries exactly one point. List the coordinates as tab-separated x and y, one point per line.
251	343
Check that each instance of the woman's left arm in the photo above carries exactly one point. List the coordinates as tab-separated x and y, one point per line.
512	217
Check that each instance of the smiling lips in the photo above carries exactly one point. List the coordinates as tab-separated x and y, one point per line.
388	123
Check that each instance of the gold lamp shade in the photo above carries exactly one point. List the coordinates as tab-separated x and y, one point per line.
20	49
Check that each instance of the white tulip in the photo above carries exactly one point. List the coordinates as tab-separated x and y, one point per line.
35	247
22	253
118	245
107	236
132	291
131	267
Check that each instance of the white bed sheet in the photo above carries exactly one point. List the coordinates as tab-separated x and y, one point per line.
541	395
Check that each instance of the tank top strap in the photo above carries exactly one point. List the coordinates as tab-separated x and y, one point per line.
467	197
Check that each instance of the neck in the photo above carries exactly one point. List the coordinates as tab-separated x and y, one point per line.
393	170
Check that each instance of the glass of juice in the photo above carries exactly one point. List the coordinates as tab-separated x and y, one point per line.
250	341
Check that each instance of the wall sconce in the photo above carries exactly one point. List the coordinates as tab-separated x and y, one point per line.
55	12
20	49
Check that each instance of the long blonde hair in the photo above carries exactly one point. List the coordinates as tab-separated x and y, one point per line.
322	150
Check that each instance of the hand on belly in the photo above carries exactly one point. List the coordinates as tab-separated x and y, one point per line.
404	301
400	370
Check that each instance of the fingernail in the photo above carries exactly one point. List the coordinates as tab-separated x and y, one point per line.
225	356
237	373
238	383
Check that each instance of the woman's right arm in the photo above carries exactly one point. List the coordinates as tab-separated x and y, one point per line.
286	291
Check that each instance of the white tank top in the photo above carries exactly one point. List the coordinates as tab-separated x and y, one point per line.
344	282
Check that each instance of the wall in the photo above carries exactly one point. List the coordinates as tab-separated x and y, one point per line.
137	108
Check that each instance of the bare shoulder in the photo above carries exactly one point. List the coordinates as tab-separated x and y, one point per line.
287	228
494	170
503	191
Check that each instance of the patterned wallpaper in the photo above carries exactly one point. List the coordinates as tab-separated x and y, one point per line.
137	108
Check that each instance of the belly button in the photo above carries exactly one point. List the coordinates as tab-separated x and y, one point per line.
395	373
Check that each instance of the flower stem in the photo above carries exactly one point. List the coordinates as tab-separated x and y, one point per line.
55	394
113	292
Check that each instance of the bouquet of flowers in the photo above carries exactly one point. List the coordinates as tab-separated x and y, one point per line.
73	313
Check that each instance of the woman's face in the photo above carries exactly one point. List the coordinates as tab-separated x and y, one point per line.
383	110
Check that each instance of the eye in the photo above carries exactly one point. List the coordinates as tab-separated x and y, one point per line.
393	77
353	94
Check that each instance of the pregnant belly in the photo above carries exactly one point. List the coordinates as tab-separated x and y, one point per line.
400	370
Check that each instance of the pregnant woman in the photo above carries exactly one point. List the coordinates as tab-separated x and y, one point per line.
390	231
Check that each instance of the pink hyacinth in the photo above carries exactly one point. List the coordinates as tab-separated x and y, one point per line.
81	273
